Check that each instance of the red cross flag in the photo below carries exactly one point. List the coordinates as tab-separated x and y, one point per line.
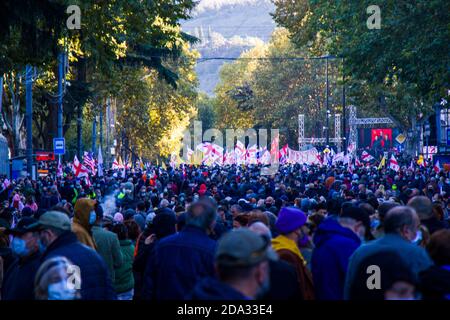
393	164
78	169
437	167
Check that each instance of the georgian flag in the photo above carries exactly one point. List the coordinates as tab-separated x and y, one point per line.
437	167
338	157
79	169
251	155
365	156
393	164
284	152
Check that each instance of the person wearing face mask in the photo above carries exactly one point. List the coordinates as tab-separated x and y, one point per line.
290	224
83	221
52	281
335	241
57	239
401	226
242	266
18	280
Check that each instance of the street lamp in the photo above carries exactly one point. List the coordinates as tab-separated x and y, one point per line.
427	133
328	126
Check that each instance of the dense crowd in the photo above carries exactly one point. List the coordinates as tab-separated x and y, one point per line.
195	232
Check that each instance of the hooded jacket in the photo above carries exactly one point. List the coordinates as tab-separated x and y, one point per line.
334	244
80	225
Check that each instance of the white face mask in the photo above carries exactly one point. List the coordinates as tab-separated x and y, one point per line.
60	291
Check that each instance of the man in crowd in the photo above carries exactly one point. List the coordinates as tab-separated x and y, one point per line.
18	282
181	260
108	246
335	241
57	239
424	209
400	226
241	262
290	224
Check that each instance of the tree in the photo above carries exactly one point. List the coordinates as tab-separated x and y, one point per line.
282	85
119	34
405	61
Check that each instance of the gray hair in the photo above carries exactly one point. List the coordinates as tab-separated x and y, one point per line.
260	228
201	214
422	205
399	217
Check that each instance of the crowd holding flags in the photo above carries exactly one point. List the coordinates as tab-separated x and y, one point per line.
213	154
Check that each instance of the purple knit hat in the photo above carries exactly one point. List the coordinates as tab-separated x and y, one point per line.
290	219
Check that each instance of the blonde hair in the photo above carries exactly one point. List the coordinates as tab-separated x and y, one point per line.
51	271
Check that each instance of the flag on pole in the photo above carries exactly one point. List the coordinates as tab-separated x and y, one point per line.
79	169
89	162
100	162
115	164
382	163
393	164
284	154
437	167
59	172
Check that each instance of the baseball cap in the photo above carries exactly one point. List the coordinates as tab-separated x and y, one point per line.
26	224
243	248
55	219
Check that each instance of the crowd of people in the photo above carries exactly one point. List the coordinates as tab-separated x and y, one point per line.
308	232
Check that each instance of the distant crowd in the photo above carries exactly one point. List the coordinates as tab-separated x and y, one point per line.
308	232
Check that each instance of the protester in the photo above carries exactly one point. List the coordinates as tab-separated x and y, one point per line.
335	241
435	281
241	261
83	221
57	279
18	280
123	273
395	281
401	226
57	239
184	258
289	223
108	245
424	209
283	277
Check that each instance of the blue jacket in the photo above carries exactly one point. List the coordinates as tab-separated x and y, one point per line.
415	257
177	263
213	289
334	244
96	283
18	282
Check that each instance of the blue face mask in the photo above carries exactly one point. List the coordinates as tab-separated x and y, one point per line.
60	291
92	217
19	247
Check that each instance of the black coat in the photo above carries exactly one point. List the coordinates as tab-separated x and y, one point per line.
95	281
283	282
435	283
18	282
